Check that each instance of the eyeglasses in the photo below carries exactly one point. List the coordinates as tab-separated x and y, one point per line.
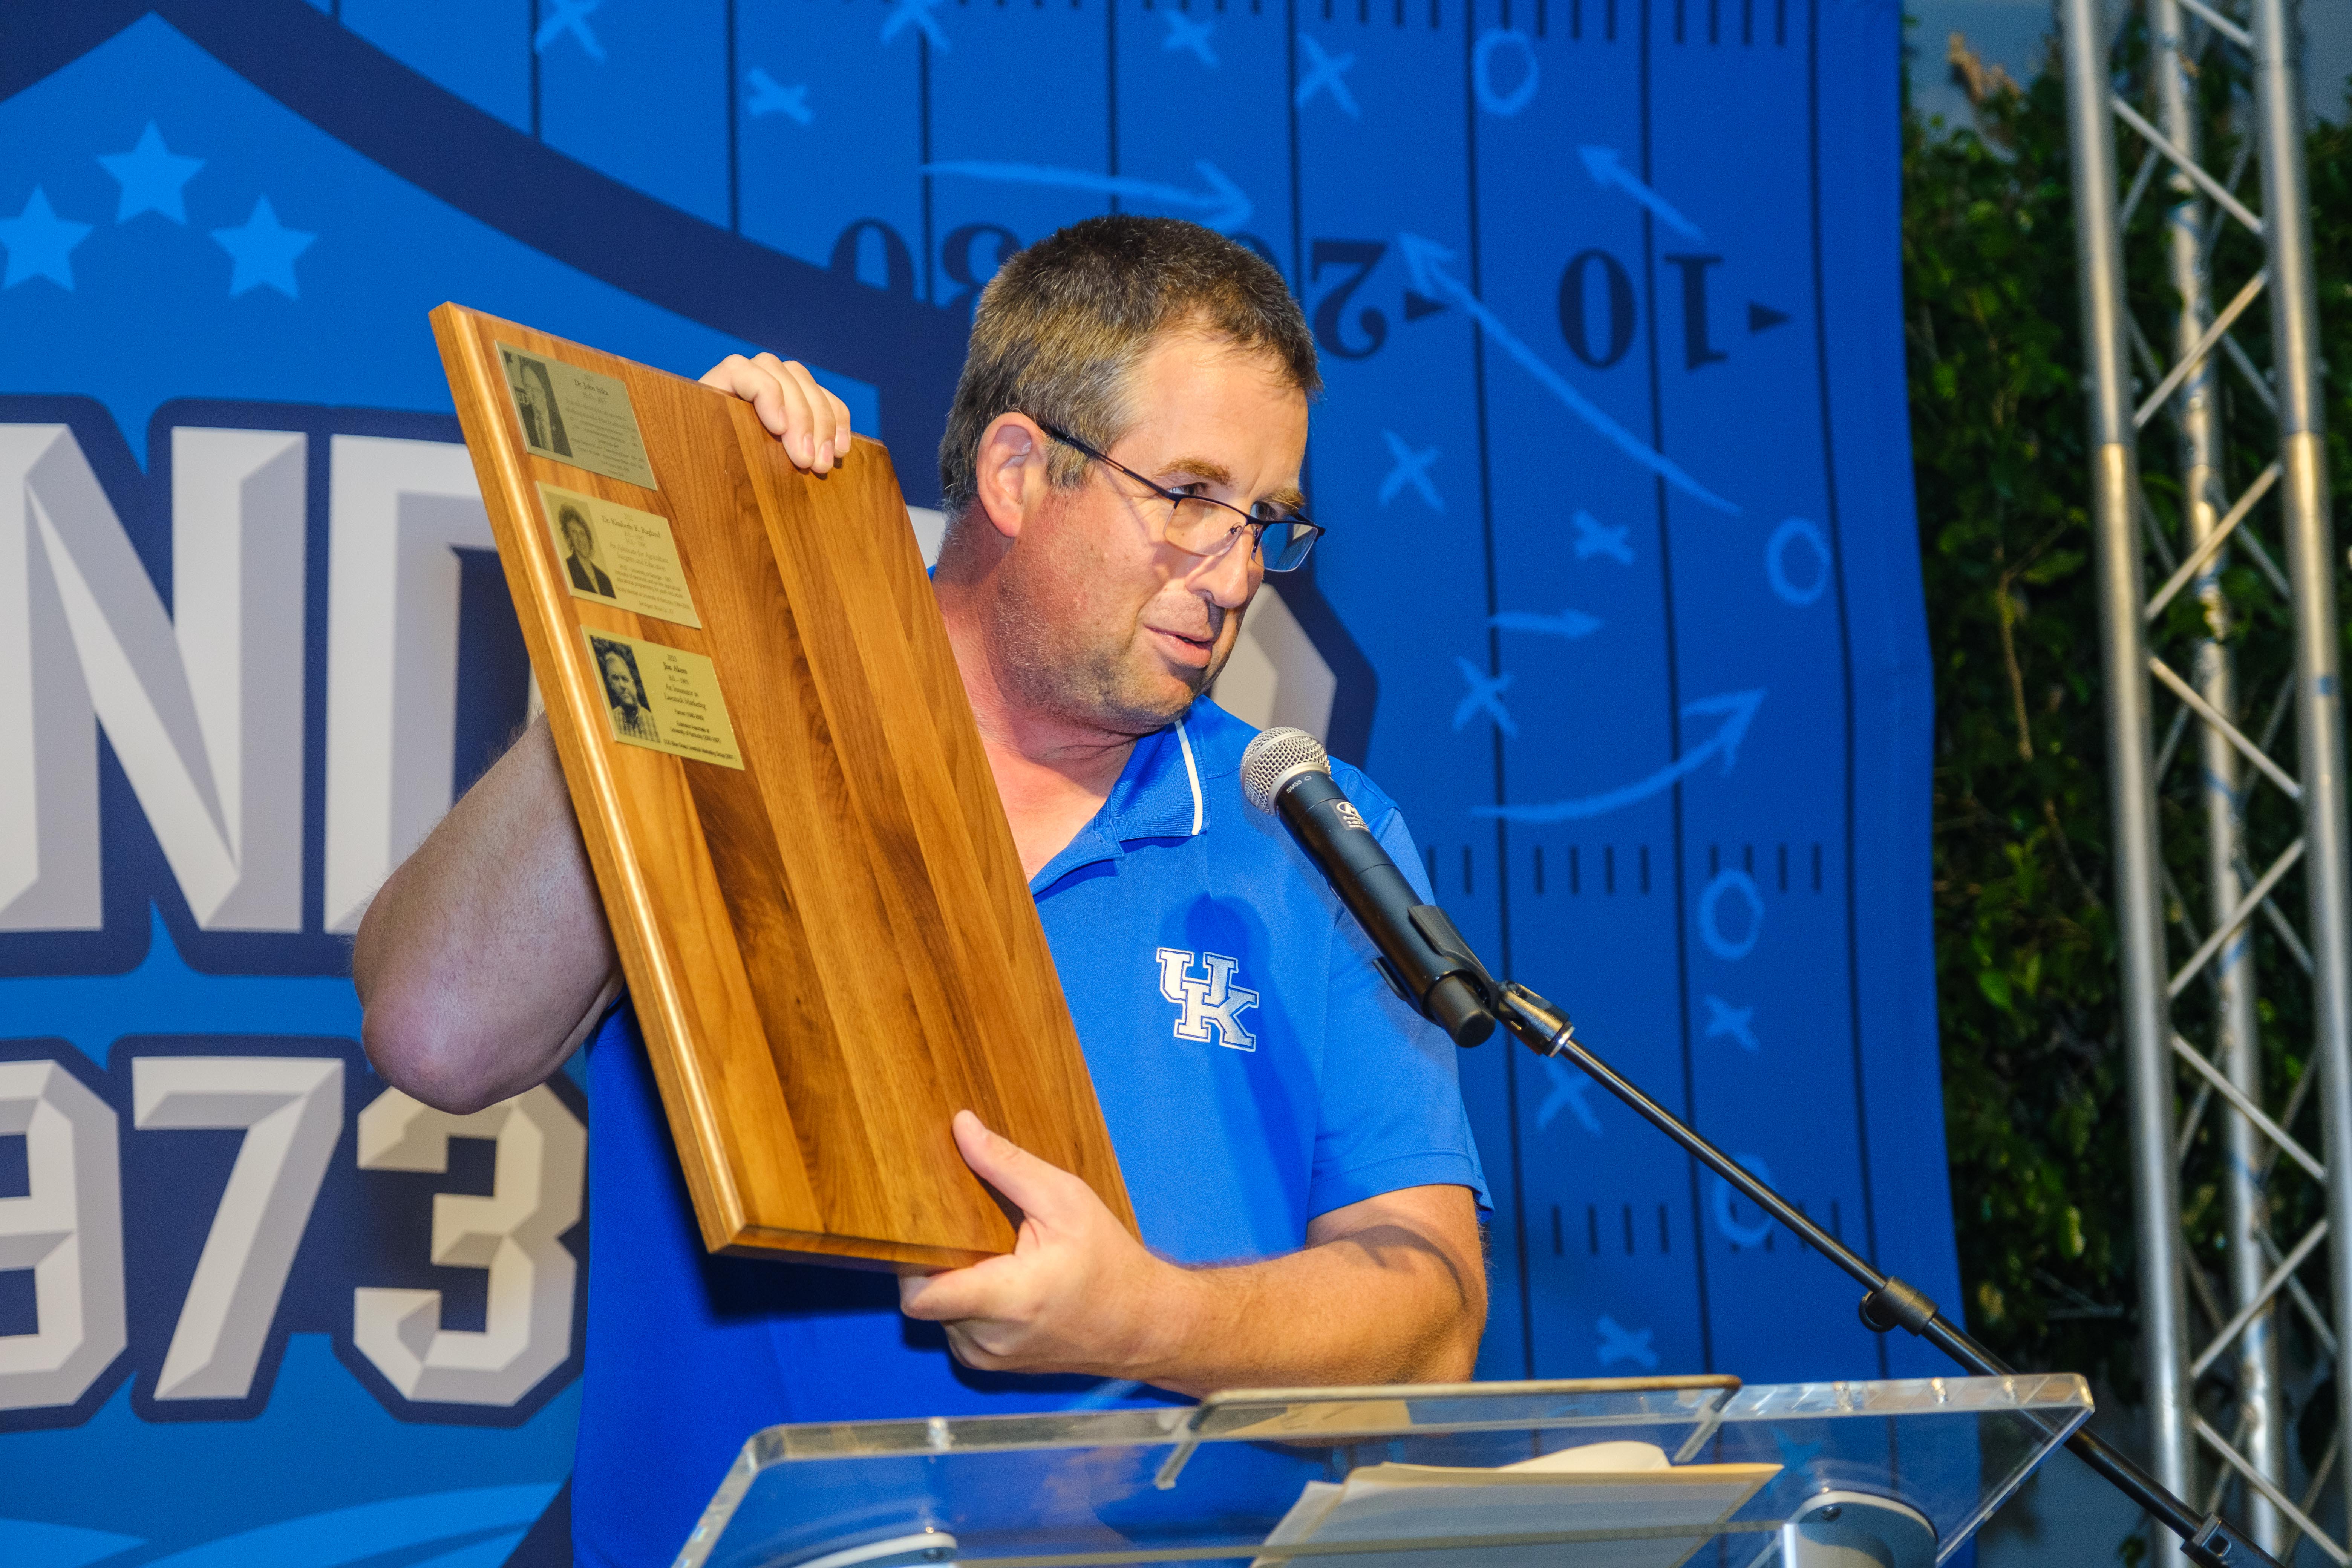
1199	525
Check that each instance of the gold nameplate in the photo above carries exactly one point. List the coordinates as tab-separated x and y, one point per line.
576	416
616	554
663	699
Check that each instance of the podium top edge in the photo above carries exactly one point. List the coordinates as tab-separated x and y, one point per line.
1402	1409
1422	1391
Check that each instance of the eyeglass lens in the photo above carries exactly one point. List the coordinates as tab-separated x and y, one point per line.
1201	526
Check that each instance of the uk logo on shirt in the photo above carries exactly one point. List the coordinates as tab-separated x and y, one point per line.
1211	1003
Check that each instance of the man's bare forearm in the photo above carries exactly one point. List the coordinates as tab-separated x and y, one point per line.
485	957
1392	1300
1389	1289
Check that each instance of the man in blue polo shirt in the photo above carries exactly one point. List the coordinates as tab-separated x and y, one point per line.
1121	467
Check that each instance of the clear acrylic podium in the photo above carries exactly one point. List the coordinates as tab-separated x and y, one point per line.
1870	1475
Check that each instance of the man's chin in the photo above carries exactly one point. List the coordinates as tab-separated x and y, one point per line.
1156	700
1147	717
1137	694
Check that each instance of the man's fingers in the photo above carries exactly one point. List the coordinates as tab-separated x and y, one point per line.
1040	1191
824	416
923	1295
964	1312
722	374
811	423
966	1348
954	1295
829	415
841	426
760	386
790	392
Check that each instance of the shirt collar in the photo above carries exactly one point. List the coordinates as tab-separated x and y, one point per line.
1157	795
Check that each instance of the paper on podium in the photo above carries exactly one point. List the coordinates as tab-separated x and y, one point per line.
1600	1487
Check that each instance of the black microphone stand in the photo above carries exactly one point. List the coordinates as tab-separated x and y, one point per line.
1887	1302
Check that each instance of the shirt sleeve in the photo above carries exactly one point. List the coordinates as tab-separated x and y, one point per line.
1391	1108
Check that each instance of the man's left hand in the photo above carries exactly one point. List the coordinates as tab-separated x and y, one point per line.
1078	1293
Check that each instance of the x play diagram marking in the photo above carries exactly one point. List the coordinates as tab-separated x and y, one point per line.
1722	1019
1411	469
1594	537
1486	695
1619	1343
1184	33
770	96
1567	1094
1326	73
570	16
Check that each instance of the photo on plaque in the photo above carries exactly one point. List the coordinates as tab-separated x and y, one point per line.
576	416
616	554
663	699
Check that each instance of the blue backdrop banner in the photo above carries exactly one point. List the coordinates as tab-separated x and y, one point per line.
1620	601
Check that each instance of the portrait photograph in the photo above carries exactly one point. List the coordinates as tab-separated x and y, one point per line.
534	395
624	691
580	553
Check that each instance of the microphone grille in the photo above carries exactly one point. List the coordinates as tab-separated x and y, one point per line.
1274	757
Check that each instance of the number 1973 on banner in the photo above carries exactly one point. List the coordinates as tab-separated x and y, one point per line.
172	1218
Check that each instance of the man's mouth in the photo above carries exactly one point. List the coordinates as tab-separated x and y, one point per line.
1193	651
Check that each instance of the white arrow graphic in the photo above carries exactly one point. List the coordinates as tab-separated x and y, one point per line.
1224	203
1601	163
1422	258
1738	708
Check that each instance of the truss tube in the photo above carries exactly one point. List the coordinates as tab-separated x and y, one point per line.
2197	414
2131	783
2311	550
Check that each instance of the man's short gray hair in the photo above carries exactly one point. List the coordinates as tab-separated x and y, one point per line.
1061	329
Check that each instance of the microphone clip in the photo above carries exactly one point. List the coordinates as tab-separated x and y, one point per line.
1462	998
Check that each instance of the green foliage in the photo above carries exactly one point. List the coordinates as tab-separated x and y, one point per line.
2026	948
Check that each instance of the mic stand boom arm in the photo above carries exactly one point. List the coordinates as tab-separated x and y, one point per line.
1888	1302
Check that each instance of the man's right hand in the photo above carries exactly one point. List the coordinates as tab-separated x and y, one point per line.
812	423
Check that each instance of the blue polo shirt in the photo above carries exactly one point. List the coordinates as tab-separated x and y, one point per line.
1254	1070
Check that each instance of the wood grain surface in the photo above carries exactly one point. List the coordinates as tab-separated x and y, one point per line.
831	950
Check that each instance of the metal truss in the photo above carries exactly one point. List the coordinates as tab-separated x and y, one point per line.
2217	1388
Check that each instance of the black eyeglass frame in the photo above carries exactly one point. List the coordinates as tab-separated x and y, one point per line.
1315	530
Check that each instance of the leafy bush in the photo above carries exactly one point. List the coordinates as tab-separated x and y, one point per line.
2026	946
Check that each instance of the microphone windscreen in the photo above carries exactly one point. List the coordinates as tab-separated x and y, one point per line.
1274	758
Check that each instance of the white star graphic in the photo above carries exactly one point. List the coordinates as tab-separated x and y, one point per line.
263	250
40	243
151	175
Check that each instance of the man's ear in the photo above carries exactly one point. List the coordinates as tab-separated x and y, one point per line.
1011	471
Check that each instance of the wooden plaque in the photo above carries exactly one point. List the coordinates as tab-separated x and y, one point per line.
828	937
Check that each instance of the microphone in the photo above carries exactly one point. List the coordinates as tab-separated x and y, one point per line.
1422	957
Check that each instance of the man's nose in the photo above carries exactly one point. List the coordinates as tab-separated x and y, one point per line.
1228	580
